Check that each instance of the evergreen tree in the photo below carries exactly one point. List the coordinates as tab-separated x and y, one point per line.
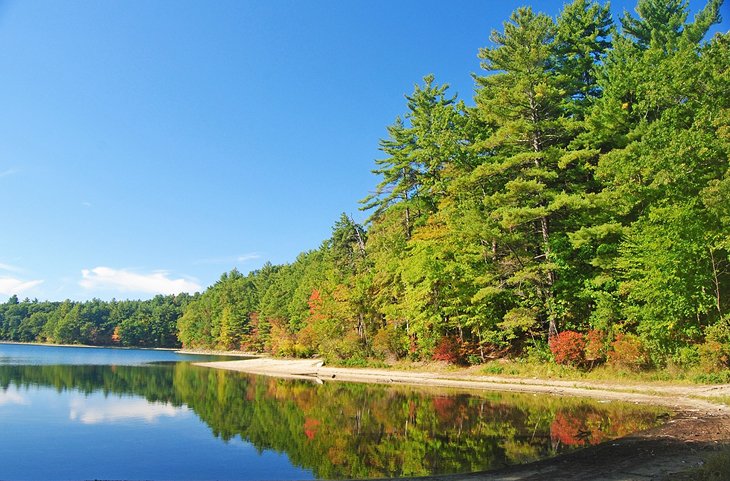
418	151
520	178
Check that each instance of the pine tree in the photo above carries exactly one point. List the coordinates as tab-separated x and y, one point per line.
418	151
658	126
520	178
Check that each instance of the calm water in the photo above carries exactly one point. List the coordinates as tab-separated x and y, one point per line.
75	413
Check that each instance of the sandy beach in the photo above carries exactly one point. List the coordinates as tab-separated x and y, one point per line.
699	426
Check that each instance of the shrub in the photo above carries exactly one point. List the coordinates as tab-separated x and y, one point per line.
719	331
388	343
717	377
448	349
628	352
537	352
686	356
568	348
493	368
339	350
595	350
305	344
715	352
714	356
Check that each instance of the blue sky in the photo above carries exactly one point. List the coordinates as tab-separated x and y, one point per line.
149	146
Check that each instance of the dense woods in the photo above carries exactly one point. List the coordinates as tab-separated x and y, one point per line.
586	191
151	323
579	210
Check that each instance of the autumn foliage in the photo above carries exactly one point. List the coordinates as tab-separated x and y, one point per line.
628	352
448	349
568	348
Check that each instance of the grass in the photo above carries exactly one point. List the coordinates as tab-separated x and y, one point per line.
719	399
547	369
550	370
716	468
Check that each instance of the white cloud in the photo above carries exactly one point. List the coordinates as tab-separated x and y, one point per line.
109	410
248	257
8	172
127	281
10	285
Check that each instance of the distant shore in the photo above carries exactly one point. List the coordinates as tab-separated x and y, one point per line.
88	346
699	425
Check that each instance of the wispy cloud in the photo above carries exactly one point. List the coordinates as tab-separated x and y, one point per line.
7	172
251	256
10	268
10	285
124	280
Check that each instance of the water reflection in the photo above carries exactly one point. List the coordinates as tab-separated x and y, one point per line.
336	430
99	410
12	397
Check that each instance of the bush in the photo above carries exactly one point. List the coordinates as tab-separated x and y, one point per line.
686	356
337	350
628	352
493	368
388	343
448	349
305	343
717	377
568	348
537	352
595	350
714	356
719	331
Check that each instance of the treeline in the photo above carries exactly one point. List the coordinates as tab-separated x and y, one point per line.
587	190
151	323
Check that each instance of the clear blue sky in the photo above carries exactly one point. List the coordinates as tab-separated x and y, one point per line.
148	146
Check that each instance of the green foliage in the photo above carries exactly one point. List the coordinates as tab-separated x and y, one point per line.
151	323
714	353
586	190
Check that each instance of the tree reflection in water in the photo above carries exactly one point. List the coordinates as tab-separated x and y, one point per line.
343	430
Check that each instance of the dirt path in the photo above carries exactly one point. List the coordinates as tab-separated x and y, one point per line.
700	425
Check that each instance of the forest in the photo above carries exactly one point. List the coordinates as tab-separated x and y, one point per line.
151	323
576	210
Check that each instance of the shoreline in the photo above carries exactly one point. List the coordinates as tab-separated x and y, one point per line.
677	397
211	352
87	346
700	424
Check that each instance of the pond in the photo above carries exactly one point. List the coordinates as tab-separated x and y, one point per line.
81	413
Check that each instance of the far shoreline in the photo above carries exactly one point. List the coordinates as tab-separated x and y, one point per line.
88	346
